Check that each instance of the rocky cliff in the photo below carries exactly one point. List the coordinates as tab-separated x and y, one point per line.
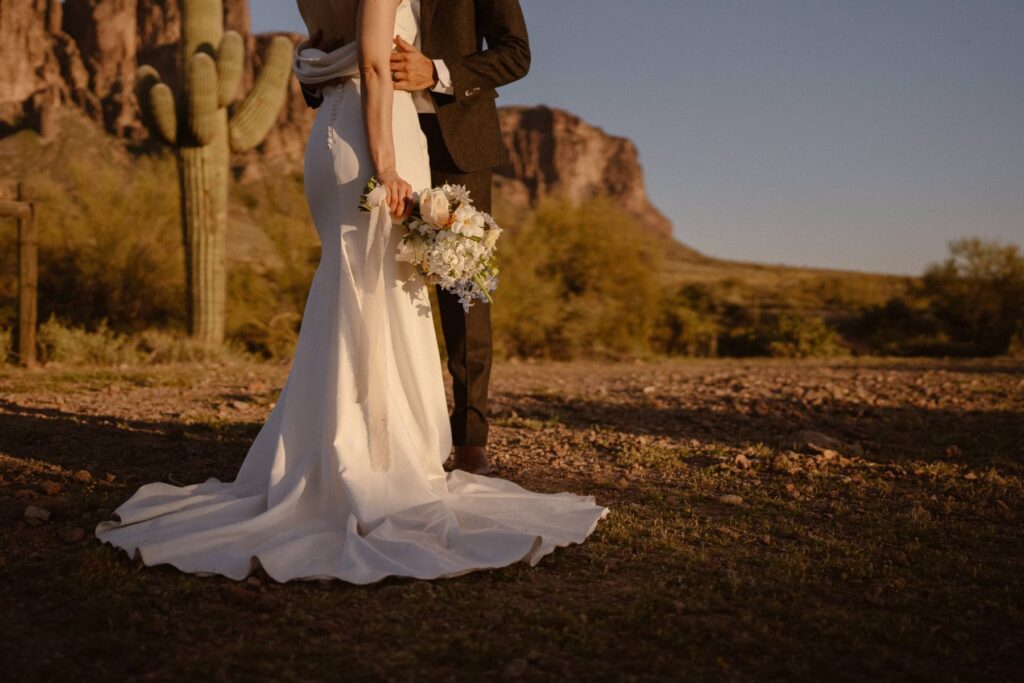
554	152
84	53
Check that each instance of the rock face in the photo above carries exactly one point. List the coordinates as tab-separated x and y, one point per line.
84	54
31	44
554	152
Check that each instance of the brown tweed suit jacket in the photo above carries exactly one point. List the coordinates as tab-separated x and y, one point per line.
456	31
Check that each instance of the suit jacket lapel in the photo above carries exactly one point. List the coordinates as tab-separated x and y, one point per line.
427	8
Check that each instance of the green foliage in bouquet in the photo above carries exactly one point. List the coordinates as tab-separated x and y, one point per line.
197	124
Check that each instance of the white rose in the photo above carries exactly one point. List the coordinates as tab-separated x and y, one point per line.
434	207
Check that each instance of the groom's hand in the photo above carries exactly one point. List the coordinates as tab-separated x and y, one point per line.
411	69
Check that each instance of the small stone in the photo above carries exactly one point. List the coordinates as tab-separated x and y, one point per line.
50	488
952	451
25	493
742	461
647	391
109	478
72	535
515	668
36	515
970	476
730	499
83	475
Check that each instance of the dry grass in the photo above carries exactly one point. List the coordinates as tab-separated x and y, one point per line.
896	557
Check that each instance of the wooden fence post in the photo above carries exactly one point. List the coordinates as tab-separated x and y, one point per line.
28	281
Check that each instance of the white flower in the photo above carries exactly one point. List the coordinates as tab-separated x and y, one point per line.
434	207
458	194
468	221
491	238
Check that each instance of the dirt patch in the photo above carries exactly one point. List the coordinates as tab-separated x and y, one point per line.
738	545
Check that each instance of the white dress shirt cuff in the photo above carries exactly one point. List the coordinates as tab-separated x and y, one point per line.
444	79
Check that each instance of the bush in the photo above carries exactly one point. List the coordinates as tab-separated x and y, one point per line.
110	245
577	281
799	336
688	325
977	294
59	343
70	345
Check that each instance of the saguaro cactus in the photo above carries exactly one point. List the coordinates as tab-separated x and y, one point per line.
199	126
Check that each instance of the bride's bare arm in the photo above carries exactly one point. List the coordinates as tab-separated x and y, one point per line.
376	26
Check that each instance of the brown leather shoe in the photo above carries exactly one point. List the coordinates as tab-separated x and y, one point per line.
472	459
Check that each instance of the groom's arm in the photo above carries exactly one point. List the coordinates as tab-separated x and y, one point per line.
507	57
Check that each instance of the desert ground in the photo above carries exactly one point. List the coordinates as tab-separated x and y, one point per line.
856	519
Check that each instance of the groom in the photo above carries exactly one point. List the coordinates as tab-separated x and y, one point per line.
453	77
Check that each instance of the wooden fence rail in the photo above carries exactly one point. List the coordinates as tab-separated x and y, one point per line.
24	211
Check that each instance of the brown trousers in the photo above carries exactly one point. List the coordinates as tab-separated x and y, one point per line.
467	335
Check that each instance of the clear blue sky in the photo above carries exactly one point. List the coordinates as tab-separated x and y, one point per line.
858	134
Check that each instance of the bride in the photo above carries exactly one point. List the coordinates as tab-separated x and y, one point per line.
314	497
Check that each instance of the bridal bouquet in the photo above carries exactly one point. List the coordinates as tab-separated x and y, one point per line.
449	242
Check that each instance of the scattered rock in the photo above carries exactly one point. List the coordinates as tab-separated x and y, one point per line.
83	475
742	461
648	391
50	488
816	442
970	476
952	451
730	499
36	516
72	535
25	493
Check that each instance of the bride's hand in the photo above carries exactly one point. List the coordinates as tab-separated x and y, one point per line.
399	198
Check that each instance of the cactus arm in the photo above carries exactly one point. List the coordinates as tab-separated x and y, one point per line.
157	104
202	26
255	116
230	65
202	93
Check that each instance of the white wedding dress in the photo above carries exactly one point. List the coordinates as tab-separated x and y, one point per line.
312	500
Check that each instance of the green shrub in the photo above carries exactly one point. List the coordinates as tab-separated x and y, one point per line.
110	245
71	345
158	347
577	281
687	325
801	336
977	294
59	343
